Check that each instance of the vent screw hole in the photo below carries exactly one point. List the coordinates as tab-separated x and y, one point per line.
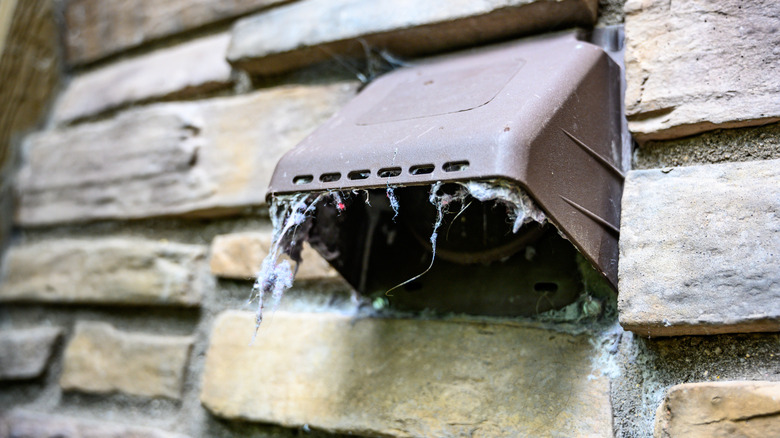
546	286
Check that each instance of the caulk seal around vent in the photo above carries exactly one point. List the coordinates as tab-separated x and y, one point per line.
541	115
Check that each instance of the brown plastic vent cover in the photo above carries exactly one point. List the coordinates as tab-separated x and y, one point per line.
542	113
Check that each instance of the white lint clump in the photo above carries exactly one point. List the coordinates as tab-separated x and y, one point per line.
291	217
521	208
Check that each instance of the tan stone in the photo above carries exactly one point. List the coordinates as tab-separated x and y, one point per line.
28	424
398	377
240	255
180	71
719	409
699	250
209	158
698	65
24	353
101	359
97	28
306	32
103	271
30	65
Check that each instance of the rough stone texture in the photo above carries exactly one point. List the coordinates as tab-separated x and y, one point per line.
698	65
24	353
303	33
721	145
210	157
103	271
649	366
97	28
27	424
240	255
101	359
181	71
699	249
611	12
394	377
715	409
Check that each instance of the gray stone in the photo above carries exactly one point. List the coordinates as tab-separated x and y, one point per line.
24	353
405	377
699	65
101	359
97	28
28	424
720	409
181	71
103	271
303	33
699	249
208	158
718	146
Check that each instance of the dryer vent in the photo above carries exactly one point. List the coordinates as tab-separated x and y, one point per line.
539	120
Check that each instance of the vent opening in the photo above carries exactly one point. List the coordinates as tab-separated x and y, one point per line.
389	172
359	174
480	265
455	166
303	179
330	177
422	169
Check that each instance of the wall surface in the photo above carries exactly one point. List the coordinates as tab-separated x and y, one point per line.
139	168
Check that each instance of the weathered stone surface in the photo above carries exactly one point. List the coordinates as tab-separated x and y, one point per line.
24	353
404	377
719	146
307	32
28	424
210	157
699	249
715	409
240	255
103	271
102	359
180	71
698	65
97	28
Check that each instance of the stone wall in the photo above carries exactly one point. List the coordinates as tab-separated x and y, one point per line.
140	221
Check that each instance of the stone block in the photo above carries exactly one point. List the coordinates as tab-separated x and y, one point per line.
699	250
180	71
404	377
204	158
303	33
699	65
98	28
101	359
24	353
104	271
240	255
28	424
719	409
